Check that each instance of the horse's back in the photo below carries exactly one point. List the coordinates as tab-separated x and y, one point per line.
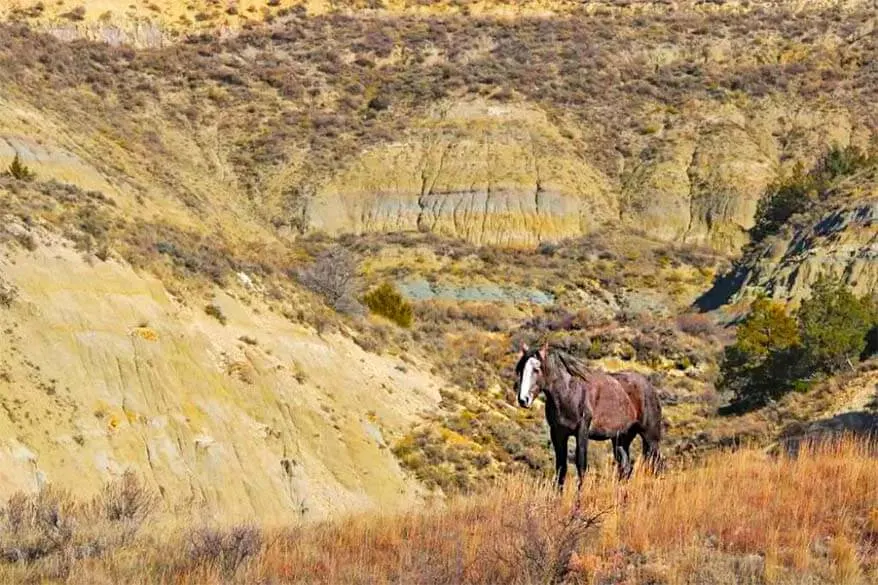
612	410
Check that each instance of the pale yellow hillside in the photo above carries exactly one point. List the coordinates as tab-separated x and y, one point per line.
101	371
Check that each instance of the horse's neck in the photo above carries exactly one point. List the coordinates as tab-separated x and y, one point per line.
562	370
557	377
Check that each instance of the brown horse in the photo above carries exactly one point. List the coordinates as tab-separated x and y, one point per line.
586	404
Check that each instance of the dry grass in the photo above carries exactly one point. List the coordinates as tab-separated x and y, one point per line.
739	517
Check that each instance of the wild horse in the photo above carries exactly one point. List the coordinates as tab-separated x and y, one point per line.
586	404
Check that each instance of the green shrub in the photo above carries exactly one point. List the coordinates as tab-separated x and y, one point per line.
782	200
19	170
840	162
595	349
764	356
773	352
387	302
797	193
834	324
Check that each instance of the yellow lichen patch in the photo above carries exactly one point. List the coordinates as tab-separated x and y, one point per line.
145	333
130	415
113	423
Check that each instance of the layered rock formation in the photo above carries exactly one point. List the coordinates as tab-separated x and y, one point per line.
509	175
838	239
489	174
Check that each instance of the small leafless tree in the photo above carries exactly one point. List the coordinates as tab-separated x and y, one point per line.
333	276
226	549
543	540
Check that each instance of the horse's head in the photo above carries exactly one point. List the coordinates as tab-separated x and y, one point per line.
529	373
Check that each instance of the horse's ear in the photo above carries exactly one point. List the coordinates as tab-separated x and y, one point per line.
523	349
544	351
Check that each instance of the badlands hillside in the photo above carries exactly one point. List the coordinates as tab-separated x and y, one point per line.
197	198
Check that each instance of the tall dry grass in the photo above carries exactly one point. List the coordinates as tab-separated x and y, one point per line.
741	517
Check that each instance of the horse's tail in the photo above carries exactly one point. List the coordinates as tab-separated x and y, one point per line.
651	436
652	410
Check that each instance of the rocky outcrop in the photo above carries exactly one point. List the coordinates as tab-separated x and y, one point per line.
145	34
839	240
842	242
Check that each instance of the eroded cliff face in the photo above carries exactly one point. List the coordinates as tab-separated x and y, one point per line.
839	237
506	132
490	174
842	242
101	370
509	175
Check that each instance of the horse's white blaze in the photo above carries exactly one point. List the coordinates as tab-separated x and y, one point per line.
527	376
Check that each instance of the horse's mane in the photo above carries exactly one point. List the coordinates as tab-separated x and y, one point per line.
573	365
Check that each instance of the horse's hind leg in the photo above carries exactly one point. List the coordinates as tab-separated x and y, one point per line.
651	454
621	445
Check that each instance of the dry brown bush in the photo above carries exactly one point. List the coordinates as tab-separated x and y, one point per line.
126	500
333	275
696	324
228	550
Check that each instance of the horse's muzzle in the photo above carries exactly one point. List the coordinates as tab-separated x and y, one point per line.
525	402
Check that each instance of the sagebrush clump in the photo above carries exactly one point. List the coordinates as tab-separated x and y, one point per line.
388	302
333	275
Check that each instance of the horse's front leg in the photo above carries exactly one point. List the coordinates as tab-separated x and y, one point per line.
582	451
559	442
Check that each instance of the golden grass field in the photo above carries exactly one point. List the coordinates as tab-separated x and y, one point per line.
738	517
